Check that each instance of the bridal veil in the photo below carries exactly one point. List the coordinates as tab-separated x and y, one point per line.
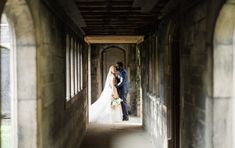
100	110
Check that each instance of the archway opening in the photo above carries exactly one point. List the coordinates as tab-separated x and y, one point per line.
19	39
105	55
6	53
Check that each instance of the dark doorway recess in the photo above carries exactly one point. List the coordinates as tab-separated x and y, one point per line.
174	142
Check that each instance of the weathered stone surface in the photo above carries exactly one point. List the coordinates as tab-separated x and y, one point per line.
42	115
223	70
197	77
223	89
154	96
23	70
223	34
27	123
57	118
223	122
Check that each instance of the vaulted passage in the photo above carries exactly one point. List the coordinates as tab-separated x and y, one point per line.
178	56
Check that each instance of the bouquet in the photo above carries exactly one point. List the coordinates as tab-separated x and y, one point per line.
115	102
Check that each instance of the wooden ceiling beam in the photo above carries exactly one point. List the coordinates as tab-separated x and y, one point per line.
120	17
139	23
110	27
118	21
115	22
113	25
101	3
146	5
108	33
116	13
85	9
111	30
113	39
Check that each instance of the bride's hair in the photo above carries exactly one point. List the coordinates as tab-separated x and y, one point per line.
113	69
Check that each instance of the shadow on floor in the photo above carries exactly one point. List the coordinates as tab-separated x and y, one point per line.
127	135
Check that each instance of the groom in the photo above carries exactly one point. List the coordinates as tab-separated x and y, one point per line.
122	87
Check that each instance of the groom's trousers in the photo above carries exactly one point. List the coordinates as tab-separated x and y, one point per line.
123	96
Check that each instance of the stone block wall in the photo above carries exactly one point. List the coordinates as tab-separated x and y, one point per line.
61	123
197	65
200	120
23	95
131	60
153	82
223	77
193	73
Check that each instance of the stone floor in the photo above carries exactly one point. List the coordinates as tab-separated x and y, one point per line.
120	135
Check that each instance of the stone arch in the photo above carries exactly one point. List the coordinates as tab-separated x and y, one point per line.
108	58
23	70
224	77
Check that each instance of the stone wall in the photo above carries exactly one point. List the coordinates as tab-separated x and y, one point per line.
193	73
196	45
131	62
23	74
153	68
42	118
61	123
199	105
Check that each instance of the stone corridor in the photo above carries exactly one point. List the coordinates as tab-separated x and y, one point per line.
180	58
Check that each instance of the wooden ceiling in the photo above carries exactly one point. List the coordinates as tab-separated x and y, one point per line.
119	17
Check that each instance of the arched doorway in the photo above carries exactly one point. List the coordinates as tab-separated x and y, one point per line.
110	56
104	55
18	74
224	78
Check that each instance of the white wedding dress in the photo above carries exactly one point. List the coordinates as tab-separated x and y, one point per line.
101	110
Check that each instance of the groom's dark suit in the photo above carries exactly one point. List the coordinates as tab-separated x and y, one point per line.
122	87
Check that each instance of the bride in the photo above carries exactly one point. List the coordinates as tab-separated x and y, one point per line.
107	109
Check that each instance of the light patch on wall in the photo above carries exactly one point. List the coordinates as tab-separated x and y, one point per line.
4	30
